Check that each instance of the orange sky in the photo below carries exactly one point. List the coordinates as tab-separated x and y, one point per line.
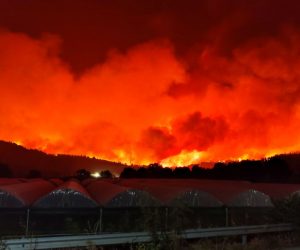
179	93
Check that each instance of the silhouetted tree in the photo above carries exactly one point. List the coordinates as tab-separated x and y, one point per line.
198	172
128	172
5	171
106	174
279	168
182	172
82	174
155	170
142	172
167	173
274	169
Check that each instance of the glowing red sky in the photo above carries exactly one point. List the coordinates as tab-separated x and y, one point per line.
175	82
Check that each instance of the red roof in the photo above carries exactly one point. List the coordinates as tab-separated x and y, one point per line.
68	195
26	193
106	192
224	191
9	181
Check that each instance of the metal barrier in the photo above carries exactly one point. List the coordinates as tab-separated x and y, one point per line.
138	237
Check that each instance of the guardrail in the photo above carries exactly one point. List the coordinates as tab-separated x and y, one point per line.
138	237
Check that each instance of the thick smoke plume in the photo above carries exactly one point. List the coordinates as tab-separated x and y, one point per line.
151	102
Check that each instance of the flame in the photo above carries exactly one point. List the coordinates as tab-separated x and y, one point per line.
149	104
19	143
243	157
184	158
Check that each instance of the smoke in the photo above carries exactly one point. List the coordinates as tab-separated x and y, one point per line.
150	104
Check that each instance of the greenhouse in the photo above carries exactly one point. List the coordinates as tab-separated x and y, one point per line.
112	195
106	205
23	194
196	198
251	198
68	195
54	193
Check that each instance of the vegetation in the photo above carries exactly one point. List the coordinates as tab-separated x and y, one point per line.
275	169
274	242
16	161
5	171
82	174
106	174
20	161
286	210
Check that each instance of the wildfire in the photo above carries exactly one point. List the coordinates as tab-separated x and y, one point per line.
148	105
183	159
19	143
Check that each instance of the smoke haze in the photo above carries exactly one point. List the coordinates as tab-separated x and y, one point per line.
175	82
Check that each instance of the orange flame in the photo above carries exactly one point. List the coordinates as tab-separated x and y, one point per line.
184	158
147	105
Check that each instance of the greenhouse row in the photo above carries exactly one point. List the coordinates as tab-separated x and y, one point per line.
130	193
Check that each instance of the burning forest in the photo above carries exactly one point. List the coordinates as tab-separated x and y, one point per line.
157	88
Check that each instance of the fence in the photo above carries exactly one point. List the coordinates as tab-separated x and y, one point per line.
138	237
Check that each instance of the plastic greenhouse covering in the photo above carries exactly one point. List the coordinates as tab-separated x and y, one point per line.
163	193
23	194
167	190
132	198
172	195
251	198
38	193
56	181
112	195
196	198
69	195
9	181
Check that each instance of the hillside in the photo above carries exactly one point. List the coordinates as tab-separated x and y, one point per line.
22	160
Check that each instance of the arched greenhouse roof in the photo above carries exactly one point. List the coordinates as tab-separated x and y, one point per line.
196	198
113	195
168	189
23	194
9	181
139	192
56	181
164	193
251	198
170	193
88	181
68	195
132	198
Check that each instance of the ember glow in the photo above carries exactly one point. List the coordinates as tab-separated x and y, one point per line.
227	90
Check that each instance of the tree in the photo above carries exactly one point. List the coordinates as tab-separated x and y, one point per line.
5	171
197	171
82	174
286	210
182	172
279	169
106	174
128	172
142	172
155	170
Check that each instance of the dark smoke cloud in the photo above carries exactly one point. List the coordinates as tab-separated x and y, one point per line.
98	26
195	132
